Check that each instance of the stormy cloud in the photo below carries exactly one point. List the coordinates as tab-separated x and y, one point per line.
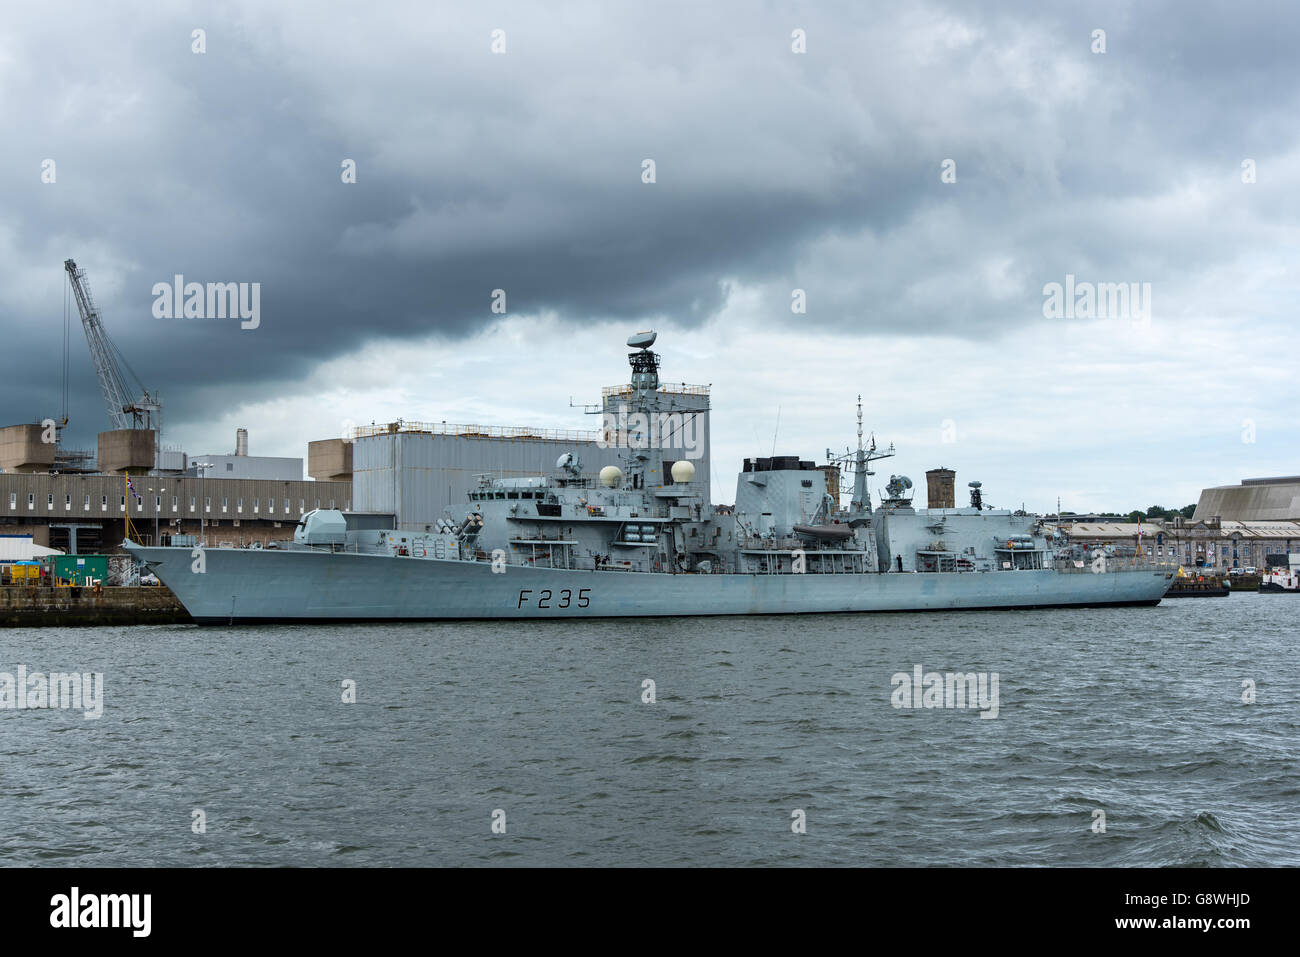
523	171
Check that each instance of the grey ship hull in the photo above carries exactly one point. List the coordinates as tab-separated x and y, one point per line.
248	585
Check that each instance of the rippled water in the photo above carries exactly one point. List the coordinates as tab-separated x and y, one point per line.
1137	712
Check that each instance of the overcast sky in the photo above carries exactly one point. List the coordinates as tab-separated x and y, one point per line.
774	171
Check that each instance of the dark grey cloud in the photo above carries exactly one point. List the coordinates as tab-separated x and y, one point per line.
522	171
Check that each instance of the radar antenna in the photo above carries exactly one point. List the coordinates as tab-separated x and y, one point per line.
859	465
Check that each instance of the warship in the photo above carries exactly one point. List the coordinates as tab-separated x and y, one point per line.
643	539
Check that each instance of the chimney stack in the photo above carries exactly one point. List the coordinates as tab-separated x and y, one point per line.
939	488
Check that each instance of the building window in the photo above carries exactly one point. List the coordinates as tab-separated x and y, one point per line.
239	504
302	506
225	503
49	500
331	503
257	505
230	466
103	503
122	507
13	499
191	503
286	506
67	502
174	500
157	503
85	505
207	503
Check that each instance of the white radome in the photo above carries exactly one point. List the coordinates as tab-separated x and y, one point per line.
683	471
610	476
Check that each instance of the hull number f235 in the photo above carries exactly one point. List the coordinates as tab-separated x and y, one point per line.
557	598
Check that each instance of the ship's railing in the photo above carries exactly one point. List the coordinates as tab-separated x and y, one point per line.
521	433
1131	563
673	388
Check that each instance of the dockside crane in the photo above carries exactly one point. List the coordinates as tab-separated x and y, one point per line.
125	412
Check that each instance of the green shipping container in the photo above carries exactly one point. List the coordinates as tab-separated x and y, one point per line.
79	569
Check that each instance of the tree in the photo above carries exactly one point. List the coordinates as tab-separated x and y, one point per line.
1187	511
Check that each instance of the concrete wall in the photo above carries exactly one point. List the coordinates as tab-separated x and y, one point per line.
36	606
21	449
123	450
330	460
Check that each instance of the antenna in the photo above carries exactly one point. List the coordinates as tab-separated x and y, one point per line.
859	421
777	430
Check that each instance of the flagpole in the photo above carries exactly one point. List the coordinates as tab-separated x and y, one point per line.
126	497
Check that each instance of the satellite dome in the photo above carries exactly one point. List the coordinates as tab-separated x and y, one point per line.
683	471
610	476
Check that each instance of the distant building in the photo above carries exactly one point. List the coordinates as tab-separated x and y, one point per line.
413	470
263	467
1254	500
81	513
1212	543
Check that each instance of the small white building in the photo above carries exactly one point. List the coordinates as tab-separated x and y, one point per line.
21	548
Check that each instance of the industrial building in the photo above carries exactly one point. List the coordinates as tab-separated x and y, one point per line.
411	471
79	513
1211	543
1254	500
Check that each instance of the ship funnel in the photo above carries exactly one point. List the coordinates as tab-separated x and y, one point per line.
241	441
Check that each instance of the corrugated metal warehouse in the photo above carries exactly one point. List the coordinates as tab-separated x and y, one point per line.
413	470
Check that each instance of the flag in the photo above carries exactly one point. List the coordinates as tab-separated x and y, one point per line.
130	486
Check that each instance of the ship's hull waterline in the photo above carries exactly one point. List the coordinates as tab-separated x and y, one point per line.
249	585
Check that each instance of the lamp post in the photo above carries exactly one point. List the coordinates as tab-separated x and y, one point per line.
203	502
